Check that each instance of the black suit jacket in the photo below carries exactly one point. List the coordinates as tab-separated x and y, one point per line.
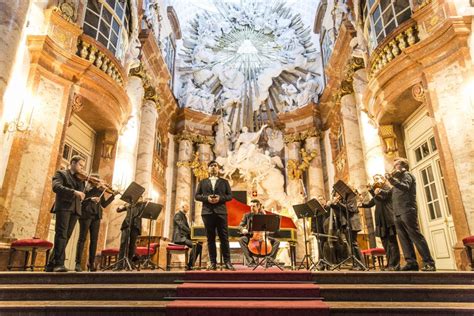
181	230
93	209
403	193
246	222
222	189
64	185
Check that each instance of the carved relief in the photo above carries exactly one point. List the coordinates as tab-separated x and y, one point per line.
418	92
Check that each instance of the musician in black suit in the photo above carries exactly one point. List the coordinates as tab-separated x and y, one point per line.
67	207
384	220
351	226
214	192
92	208
406	217
182	235
245	225
131	228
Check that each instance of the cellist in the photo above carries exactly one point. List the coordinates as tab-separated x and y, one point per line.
245	225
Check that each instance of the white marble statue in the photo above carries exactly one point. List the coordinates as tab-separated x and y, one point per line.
309	90
275	140
289	97
222	145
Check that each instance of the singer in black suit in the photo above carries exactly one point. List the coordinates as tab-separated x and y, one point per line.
213	192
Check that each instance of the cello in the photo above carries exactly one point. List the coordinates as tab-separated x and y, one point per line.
257	245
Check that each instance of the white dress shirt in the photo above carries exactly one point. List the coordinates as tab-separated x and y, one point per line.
213	182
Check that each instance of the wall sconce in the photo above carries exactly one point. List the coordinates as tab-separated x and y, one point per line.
23	121
389	139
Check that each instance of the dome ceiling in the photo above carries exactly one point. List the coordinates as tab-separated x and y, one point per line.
248	61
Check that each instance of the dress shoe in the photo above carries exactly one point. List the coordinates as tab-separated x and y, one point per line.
396	268
91	268
212	267
188	268
229	266
78	267
60	269
409	267
48	268
428	267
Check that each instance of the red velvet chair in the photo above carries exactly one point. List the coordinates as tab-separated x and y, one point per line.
469	245
173	249
374	253
142	253
107	255
29	245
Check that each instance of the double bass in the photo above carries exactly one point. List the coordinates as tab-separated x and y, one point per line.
335	249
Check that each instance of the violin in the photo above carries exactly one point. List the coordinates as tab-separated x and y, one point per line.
97	182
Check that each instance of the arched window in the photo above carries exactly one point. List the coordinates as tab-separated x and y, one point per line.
109	22
382	17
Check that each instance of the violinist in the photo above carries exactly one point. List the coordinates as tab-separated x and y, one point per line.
69	193
131	228
406	217
245	225
351	225
92	208
384	219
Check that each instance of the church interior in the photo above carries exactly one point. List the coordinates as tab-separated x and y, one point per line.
135	131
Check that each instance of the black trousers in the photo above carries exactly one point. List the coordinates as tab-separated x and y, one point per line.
196	250
65	223
408	231
355	245
86	225
244	245
134	233
390	244
213	223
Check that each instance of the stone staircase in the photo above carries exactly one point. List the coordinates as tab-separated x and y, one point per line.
146	293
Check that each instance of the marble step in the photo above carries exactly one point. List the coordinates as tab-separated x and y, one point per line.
344	308
81	307
87	292
398	292
122	277
153	277
112	308
388	277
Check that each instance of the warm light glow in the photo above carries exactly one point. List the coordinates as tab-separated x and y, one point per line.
374	160
155	195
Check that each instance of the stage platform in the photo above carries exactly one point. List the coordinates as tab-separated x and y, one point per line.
241	292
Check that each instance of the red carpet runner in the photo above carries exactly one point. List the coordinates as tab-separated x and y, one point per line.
259	292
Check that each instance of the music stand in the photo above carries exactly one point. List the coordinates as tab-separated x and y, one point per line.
346	193
302	212
131	195
319	210
151	212
265	223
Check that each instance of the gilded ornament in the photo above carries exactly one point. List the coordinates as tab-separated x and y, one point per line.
296	168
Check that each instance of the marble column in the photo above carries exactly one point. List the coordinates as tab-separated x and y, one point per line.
315	171
126	158
353	143
184	192
13	16
146	146
205	155
26	193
